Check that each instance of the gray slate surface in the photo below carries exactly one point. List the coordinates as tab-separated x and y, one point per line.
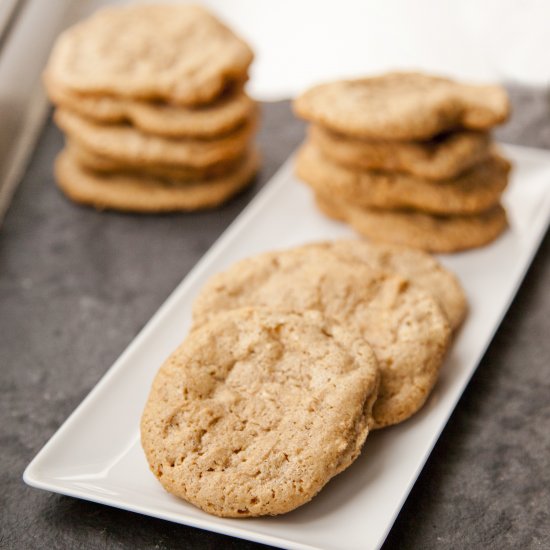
77	285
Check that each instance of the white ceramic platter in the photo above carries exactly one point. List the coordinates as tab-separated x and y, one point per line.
96	454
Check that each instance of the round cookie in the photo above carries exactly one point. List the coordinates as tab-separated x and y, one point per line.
97	163
418	230
257	410
125	144
419	267
404	325
180	54
402	106
473	191
228	112
133	193
441	158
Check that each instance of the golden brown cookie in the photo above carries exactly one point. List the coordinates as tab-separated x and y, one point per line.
228	112
441	158
473	191
257	410
97	163
332	207
402	106
180	54
132	193
405	326
126	144
419	267
418	230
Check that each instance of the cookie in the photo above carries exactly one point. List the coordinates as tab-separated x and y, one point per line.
97	163
420	268
415	229
332	207
405	326
180	54
402	106
473	191
133	193
128	145
441	158
257	410
233	109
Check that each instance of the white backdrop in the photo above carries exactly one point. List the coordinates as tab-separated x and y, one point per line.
299	42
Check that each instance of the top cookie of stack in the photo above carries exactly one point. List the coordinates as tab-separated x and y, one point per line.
151	100
407	158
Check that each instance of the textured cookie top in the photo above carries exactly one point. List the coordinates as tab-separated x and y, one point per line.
177	53
404	324
420	267
402	106
257	410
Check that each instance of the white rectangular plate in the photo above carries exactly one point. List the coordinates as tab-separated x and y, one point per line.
96	454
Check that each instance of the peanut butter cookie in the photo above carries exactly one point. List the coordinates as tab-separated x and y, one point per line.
405	326
402	106
126	144
257	410
472	191
417	229
176	53
134	193
440	158
419	267
228	112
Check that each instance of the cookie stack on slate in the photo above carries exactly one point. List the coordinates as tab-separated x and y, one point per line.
293	357
407	158
152	103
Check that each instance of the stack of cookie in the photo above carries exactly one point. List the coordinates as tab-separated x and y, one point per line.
293	358
407	158
151	100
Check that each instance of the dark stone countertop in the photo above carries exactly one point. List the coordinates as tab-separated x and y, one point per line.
77	285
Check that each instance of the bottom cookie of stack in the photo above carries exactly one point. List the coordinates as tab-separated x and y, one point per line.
417	229
147	194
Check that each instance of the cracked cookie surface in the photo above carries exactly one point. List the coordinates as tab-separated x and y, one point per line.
420	267
405	326
257	410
